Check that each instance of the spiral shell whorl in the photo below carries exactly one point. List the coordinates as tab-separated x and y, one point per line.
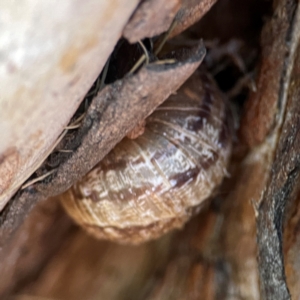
147	186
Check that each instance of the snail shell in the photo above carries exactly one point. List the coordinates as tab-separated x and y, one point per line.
146	186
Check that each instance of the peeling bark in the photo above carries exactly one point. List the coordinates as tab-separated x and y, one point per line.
108	120
49	59
244	244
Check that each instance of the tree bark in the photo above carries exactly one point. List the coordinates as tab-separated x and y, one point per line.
244	244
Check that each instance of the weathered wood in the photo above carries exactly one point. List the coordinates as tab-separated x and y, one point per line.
51	53
141	24
261	108
215	255
108	119
285	165
190	12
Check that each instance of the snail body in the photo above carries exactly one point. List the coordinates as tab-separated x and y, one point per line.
146	186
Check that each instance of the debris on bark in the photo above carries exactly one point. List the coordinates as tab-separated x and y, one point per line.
244	244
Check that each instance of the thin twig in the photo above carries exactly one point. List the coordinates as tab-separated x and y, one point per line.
92	93
53	146
47	154
65	151
165	61
103	77
79	119
166	36
141	60
40	178
145	52
100	80
145	56
245	81
74	126
76	123
137	64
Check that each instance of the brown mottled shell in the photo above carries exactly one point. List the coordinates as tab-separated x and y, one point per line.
146	186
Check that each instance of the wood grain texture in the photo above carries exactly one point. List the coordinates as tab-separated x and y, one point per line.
51	53
141	24
190	12
264	104
283	179
101	130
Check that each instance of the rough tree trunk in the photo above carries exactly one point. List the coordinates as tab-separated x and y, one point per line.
244	244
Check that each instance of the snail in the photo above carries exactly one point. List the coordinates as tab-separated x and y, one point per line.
151	184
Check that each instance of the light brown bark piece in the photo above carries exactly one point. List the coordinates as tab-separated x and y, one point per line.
107	121
190	12
151	18
51	52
